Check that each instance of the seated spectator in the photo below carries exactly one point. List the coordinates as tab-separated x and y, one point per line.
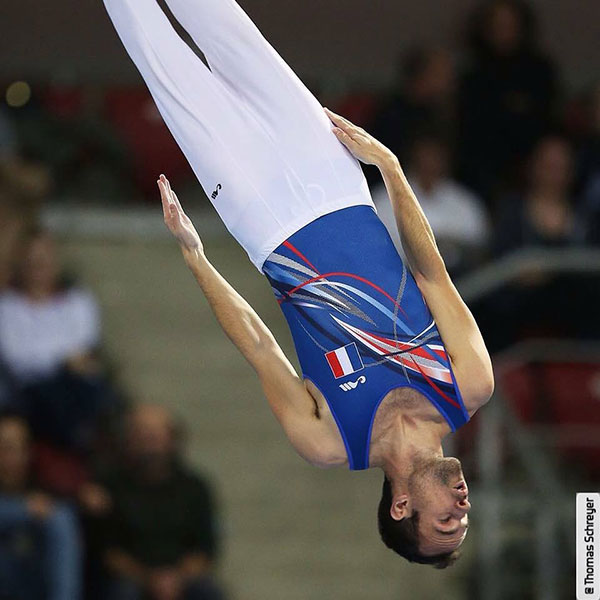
423	99
507	94
22	186
40	554
159	524
537	303
545	214
457	217
48	333
28	180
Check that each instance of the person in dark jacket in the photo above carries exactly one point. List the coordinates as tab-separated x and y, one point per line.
159	525
507	94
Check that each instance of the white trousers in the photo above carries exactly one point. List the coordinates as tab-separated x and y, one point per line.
257	139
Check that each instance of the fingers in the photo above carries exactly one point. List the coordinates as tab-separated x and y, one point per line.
172	195
342	136
177	203
175	206
164	198
342	123
168	206
334	116
167	187
339	121
168	184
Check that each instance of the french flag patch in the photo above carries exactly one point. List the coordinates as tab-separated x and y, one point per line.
345	361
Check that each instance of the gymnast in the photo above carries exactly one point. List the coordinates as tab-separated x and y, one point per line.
392	359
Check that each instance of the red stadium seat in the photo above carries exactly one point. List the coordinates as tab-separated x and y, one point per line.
358	107
64	102
519	387
134	114
58	471
574	399
557	394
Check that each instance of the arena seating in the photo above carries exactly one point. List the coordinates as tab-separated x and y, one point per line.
565	394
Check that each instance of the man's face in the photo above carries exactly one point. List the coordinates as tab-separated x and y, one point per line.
430	161
150	436
552	165
504	28
439	493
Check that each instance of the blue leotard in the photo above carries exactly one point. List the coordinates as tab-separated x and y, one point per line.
360	325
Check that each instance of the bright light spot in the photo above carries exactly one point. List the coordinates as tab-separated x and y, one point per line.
18	94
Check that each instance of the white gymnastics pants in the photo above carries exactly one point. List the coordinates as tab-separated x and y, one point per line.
257	139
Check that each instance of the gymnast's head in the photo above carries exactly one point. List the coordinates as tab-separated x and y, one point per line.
424	517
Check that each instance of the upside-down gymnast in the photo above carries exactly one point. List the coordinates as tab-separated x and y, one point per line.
392	359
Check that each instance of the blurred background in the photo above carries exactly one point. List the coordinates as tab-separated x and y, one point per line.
135	445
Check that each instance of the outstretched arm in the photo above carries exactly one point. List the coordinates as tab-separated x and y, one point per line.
462	338
288	397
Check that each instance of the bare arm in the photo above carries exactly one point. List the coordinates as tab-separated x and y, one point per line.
418	241
286	393
462	338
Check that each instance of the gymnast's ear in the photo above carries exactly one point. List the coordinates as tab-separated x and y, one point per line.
399	507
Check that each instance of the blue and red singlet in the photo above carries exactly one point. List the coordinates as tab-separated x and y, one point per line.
360	325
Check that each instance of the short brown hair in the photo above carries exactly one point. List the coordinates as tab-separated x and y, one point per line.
403	536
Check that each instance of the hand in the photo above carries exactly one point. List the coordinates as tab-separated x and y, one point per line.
176	220
165	584
39	505
361	144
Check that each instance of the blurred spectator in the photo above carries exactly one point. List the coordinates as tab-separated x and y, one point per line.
507	94
44	322
423	99
457	217
63	128
160	538
589	161
40	553
27	180
11	227
537	304
545	214
30	181
22	186
48	333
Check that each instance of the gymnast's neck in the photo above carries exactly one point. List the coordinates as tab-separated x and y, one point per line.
398	442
